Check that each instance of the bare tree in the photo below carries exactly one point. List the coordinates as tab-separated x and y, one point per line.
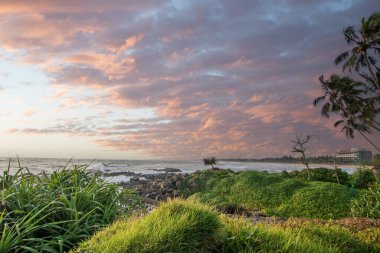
300	148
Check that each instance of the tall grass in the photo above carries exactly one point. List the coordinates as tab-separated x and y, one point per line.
187	226
53	212
368	203
176	226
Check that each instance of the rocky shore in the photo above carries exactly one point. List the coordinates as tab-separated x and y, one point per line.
153	187
156	187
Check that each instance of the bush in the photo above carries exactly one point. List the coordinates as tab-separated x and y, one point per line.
318	200
362	178
176	226
273	194
323	175
368	203
55	212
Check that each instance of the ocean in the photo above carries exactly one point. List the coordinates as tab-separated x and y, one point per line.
48	165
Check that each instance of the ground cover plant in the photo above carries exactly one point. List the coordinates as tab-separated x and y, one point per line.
368	203
272	193
52	213
321	174
188	226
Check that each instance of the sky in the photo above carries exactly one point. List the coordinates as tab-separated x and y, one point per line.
176	79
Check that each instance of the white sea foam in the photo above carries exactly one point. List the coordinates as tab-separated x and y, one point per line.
36	165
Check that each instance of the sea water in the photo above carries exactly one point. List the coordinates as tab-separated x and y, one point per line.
48	165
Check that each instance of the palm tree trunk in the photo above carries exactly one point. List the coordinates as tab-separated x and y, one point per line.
365	137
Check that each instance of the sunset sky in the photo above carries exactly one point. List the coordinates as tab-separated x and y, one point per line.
168	79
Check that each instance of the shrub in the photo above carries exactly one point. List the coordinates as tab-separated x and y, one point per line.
362	178
176	226
273	194
55	212
323	175
318	200
368	203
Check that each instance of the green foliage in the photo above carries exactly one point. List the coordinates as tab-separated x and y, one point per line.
272	193
356	101
54	212
187	226
322	174
363	178
176	226
368	203
292	236
210	161
318	200
370	236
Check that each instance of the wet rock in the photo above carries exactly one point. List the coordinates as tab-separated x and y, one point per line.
168	170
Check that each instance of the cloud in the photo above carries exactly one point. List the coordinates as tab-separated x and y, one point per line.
227	79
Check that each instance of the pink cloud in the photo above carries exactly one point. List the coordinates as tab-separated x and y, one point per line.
216	86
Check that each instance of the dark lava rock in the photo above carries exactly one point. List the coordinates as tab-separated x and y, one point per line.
156	187
168	170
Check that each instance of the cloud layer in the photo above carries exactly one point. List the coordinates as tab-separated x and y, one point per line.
225	78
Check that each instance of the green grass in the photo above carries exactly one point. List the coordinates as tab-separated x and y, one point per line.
368	203
187	226
176	226
292	236
52	213
271	193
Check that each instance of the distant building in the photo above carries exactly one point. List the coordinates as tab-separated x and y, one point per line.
354	155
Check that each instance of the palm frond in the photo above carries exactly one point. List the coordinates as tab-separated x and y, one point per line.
343	56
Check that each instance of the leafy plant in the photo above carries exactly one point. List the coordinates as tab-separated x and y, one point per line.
272	193
356	101
210	161
53	212
368	203
323	174
362	178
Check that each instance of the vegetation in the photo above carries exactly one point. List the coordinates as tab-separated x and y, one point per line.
321	174
52	213
357	102
271	193
327	159
55	213
368	204
363	178
210	161
187	226
300	148
176	226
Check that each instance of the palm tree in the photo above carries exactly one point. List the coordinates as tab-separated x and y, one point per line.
349	99
366	44
357	102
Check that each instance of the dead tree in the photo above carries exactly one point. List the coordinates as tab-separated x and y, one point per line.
300	148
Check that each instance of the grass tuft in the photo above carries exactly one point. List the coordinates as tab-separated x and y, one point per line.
175	226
